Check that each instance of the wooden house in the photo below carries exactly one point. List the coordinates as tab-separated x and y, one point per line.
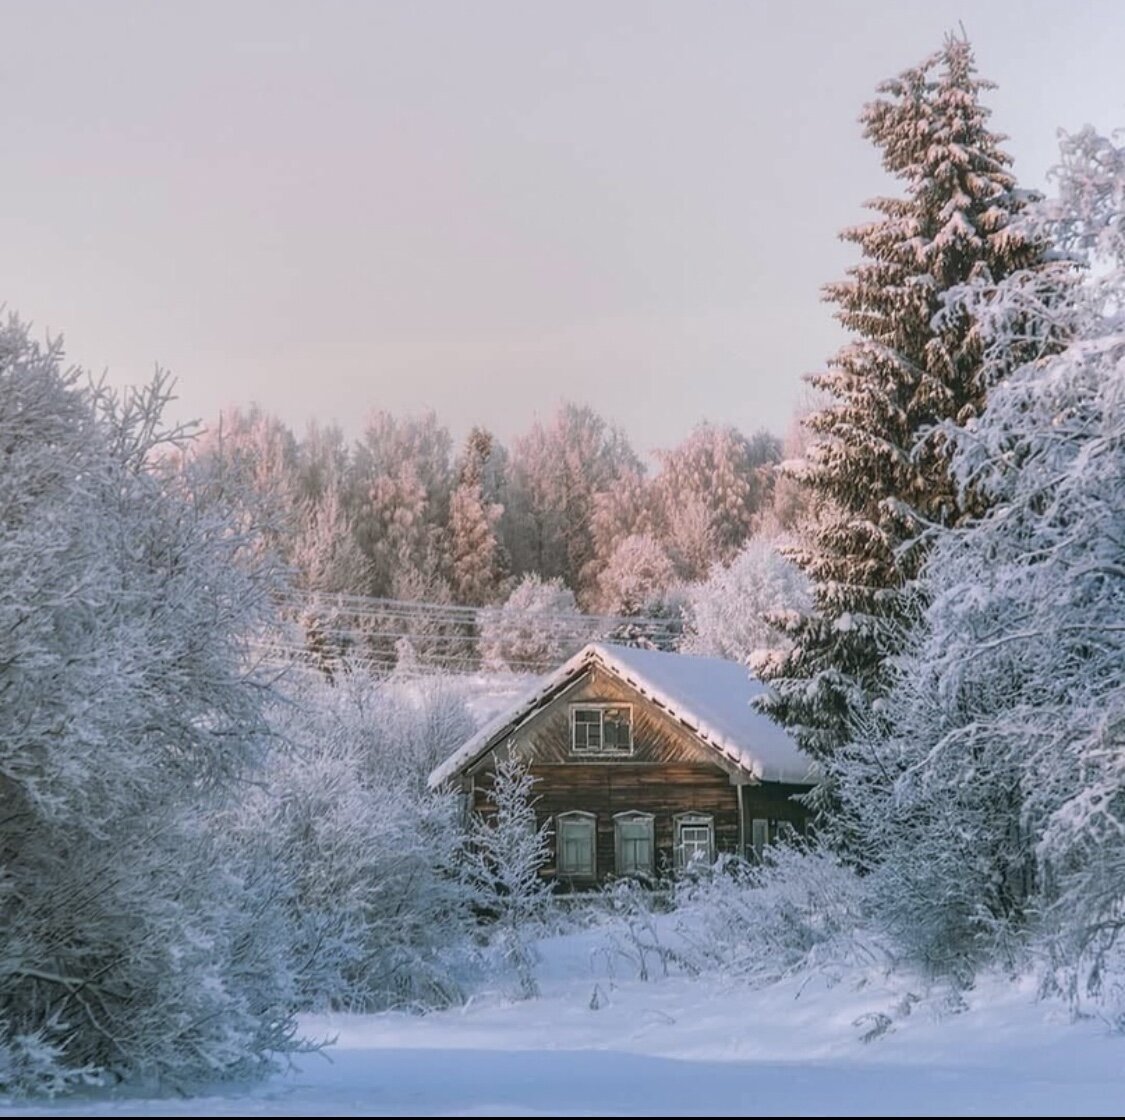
645	761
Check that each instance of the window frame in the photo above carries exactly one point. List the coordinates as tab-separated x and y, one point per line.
634	816
692	820
601	707
576	816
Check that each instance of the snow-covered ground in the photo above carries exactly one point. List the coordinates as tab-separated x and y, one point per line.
602	1042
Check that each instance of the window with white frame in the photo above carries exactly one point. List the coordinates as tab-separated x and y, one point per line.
601	728
633	843
576	844
695	839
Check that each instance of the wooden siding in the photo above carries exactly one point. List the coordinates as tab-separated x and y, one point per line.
608	789
669	772
545	737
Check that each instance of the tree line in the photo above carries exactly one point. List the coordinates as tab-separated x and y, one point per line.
398	514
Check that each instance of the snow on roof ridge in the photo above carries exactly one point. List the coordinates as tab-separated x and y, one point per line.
710	695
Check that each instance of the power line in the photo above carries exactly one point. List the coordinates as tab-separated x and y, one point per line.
368	633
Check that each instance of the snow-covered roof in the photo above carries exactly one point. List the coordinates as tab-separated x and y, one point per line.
712	696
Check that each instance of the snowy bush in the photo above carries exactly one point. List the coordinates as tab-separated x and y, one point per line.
365	859
800	908
637	574
133	946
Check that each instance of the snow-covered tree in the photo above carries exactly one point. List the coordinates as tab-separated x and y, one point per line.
366	861
880	463
478	562
132	945
623	510
991	798
254	456
323	462
557	469
536	628
636	576
733	613
400	484
708	492
507	849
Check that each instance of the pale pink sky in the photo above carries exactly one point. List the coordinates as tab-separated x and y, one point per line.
479	206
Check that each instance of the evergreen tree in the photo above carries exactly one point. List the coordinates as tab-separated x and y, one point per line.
879	464
991	799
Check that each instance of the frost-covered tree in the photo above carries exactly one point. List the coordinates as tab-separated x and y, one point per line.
478	561
323	462
733	613
133	947
255	458
880	463
793	508
507	850
400	485
623	510
991	799
636	576
557	469
708	492
365	860
326	564
536	628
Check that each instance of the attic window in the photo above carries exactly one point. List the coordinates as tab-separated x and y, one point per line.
601	729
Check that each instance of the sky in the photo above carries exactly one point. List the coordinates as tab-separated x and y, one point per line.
481	208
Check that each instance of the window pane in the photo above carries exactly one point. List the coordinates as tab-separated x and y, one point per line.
575	851
694	841
618	729
634	846
601	730
587	729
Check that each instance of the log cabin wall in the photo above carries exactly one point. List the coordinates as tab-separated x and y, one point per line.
668	772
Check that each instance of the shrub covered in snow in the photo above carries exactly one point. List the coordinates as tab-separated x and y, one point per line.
735	611
365	859
800	908
132	945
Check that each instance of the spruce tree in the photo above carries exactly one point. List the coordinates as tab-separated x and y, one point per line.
879	461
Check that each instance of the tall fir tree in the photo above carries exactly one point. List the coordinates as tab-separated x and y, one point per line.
879	461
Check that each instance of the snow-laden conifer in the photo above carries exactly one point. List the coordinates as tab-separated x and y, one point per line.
991	798
879	465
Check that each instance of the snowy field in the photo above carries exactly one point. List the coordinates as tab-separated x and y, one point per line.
601	1042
